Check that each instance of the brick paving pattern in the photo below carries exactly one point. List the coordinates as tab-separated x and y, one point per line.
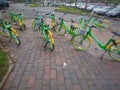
63	69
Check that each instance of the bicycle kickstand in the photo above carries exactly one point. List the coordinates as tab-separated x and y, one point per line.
101	58
71	38
10	40
45	44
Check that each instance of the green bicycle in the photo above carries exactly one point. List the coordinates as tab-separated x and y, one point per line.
53	20
62	27
45	33
83	42
18	18
8	30
100	24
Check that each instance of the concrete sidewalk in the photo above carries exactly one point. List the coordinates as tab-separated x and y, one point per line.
63	69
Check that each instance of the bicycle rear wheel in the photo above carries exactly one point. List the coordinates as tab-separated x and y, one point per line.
41	32
51	41
79	42
15	36
4	32
60	30
114	51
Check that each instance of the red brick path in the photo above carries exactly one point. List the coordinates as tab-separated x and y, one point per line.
39	69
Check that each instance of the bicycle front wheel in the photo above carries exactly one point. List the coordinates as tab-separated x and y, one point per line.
51	41
60	30
15	36
4	32
35	25
114	51
79	42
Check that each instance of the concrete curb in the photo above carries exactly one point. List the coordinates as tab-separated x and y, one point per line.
10	68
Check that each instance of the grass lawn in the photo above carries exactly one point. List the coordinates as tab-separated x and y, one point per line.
72	10
3	63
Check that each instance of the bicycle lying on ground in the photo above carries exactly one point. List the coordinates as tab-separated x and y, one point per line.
45	33
19	19
83	42
8	30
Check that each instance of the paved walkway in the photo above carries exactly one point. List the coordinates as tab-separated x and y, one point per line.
63	69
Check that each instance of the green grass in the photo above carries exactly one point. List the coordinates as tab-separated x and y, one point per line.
3	63
34	5
3	57
72	10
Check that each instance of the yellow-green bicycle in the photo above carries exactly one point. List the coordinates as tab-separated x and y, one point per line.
83	41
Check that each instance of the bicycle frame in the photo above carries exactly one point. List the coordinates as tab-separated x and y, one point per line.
69	30
100	44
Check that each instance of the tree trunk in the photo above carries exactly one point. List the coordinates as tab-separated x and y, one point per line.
86	4
76	2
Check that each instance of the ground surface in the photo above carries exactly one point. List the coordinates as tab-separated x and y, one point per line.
63	69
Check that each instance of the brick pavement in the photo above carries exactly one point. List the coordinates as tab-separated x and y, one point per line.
39	69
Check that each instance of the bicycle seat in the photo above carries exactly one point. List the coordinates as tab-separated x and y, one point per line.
116	33
60	18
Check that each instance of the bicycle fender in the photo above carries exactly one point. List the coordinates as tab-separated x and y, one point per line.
13	30
52	37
